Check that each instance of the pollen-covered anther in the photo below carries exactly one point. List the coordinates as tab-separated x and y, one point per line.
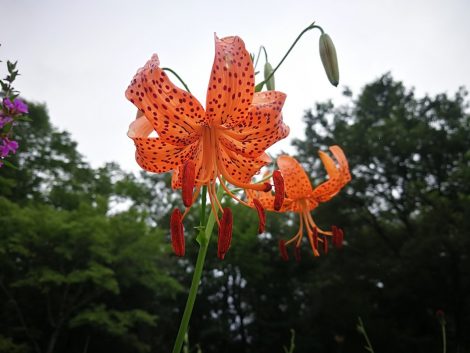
225	233
315	240
325	245
261	215
338	236
280	190
177	233
297	254
267	187
283	250
188	179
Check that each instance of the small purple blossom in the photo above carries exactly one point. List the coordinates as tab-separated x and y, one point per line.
7	147
5	120
16	107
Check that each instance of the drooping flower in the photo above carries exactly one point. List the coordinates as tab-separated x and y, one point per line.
225	142
302	198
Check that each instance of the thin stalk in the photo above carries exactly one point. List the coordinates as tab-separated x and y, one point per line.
444	339
259	86
177	76
201	257
362	329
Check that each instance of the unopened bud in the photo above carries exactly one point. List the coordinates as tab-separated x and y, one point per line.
268	70
329	59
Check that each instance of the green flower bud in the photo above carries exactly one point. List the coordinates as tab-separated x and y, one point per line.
328	58
268	69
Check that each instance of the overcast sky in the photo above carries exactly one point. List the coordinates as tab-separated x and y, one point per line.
78	57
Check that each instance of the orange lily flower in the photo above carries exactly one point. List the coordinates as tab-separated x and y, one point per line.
226	141
302	198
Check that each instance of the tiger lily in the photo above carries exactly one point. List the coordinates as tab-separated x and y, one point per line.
225	142
302	198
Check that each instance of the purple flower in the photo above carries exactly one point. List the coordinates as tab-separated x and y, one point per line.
7	147
16	107
20	106
5	120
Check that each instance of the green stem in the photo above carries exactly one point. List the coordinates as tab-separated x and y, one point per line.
177	76
364	333
260	85
444	340
204	236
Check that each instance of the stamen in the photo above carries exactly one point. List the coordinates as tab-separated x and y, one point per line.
231	194
283	250
188	179
279	187
325	245
297	254
177	233
213	197
261	216
338	236
225	233
315	238
313	225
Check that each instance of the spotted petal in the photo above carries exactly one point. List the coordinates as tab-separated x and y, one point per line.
297	183
174	113
338	175
154	154
262	127
238	167
231	85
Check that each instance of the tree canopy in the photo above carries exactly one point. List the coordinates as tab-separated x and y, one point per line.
86	264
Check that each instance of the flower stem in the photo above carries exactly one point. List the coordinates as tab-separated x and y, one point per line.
204	237
444	340
177	76
260	85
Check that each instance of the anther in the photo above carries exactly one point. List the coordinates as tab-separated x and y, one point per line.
188	178
225	233
283	250
297	254
279	187
177	233
325	245
338	236
261	215
315	238
267	187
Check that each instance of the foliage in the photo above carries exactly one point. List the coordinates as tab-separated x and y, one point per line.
86	264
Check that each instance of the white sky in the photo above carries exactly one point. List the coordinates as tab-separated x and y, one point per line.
79	56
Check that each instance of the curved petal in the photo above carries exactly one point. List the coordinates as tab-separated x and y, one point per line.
239	167
267	200
231	85
174	113
338	176
297	183
262	127
343	164
154	154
